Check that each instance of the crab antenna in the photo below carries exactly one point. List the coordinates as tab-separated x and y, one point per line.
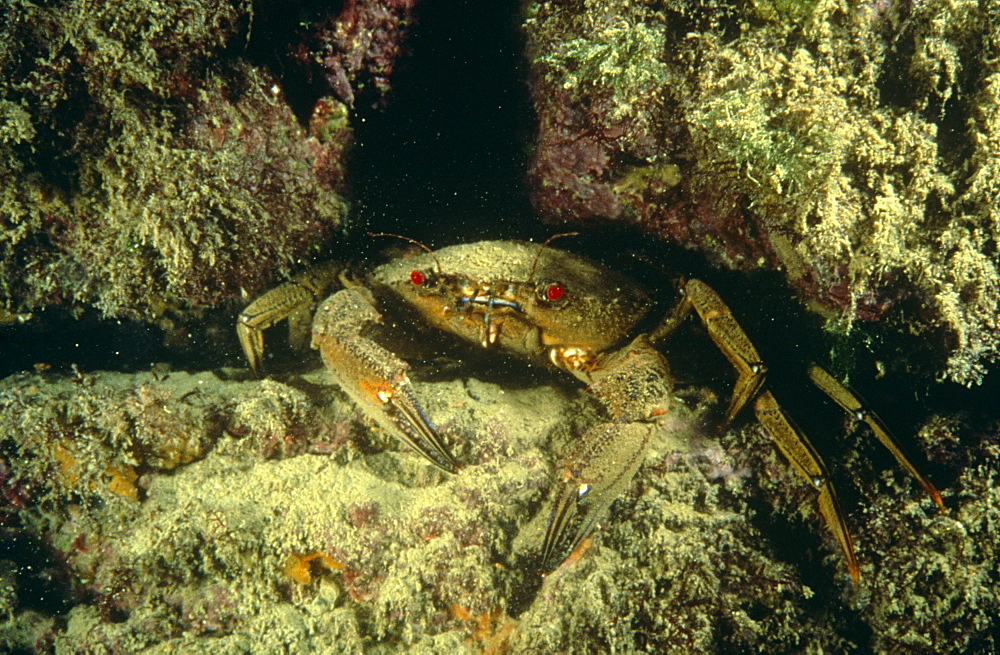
531	275
416	243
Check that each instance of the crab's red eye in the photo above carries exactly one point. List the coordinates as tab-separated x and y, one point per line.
555	291
417	277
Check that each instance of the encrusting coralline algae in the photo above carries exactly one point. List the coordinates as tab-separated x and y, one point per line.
281	519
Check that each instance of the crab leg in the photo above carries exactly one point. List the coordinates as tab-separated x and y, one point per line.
853	405
633	384
728	337
750	370
292	300
372	376
797	450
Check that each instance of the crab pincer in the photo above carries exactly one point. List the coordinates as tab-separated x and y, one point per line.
373	377
634	385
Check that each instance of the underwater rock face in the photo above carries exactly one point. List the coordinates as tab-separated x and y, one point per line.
853	147
199	512
358	47
147	165
147	170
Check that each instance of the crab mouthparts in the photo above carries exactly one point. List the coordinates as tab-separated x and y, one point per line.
489	301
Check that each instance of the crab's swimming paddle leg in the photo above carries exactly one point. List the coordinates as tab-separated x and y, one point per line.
853	405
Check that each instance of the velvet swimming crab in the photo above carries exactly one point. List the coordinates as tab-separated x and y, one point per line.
560	310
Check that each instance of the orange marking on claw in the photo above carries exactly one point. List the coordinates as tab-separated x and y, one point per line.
575	556
379	391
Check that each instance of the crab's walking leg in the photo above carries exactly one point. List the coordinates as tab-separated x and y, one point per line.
292	300
728	337
750	370
853	405
797	450
634	384
372	376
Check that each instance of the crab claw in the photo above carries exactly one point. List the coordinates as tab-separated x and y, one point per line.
596	473
372	376
632	383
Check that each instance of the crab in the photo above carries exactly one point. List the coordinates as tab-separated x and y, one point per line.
560	310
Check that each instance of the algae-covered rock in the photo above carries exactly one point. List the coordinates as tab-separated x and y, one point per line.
297	524
850	145
146	166
151	163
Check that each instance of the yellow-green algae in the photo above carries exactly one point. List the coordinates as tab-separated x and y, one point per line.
190	554
144	166
195	559
860	136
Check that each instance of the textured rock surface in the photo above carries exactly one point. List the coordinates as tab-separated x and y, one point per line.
147	168
148	165
853	146
199	512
